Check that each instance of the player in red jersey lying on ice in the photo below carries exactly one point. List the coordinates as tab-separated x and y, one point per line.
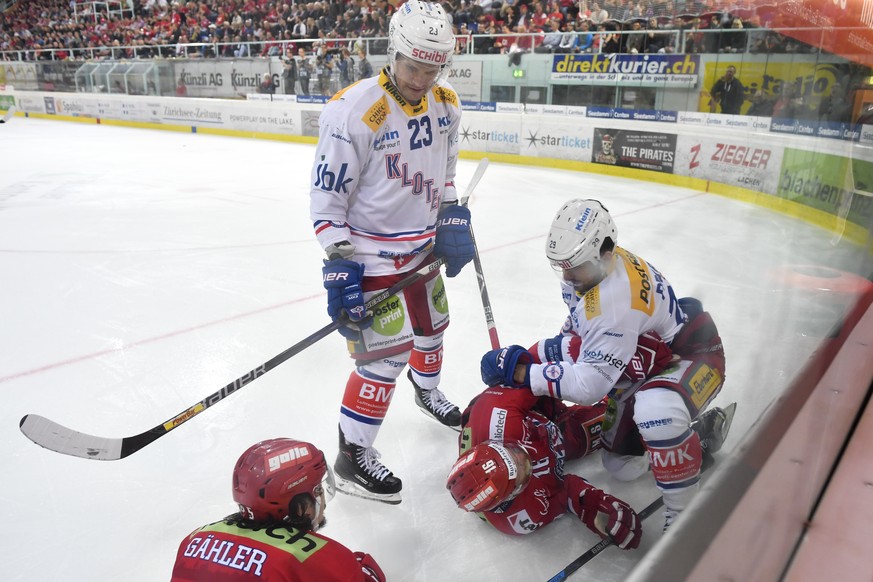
511	471
514	444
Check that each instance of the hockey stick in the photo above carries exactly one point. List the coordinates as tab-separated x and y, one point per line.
480	276
53	436
474	181
602	545
8	115
651	508
56	437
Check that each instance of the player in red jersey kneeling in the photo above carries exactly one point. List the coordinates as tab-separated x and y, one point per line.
282	487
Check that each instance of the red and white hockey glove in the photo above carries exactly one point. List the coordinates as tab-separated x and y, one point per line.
608	516
653	356
372	571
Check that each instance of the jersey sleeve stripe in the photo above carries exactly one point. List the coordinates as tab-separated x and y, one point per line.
428	234
322	225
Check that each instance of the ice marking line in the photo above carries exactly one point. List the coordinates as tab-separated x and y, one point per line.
134	251
149	340
616	214
257	311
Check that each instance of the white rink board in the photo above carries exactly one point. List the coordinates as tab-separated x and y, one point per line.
733	150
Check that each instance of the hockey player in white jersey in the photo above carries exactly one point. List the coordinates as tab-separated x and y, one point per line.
383	203
614	297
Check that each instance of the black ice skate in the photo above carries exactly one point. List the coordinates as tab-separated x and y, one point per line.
670	516
359	473
434	404
712	426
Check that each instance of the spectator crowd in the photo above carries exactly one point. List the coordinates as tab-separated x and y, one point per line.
324	45
77	29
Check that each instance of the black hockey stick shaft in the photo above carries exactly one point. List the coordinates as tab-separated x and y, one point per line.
483	290
159	431
602	545
56	437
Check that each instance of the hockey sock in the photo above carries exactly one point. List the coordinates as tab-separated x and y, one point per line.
426	365
676	466
364	406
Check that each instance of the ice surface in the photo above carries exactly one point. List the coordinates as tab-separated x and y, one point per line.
143	270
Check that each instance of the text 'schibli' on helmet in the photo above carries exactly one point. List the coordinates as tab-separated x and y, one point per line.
271	473
420	31
577	234
487	475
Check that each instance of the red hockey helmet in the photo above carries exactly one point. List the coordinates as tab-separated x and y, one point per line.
487	475
271	473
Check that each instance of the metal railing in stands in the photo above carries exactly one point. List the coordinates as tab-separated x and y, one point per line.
680	41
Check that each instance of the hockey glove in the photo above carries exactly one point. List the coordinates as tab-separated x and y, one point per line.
342	279
653	356
498	366
608	517
372	571
454	240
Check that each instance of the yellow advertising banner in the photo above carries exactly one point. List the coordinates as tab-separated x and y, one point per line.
806	82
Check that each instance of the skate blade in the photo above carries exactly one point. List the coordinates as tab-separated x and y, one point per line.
729	412
427	413
353	489
436	420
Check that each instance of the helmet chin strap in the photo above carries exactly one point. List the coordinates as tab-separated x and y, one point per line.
389	70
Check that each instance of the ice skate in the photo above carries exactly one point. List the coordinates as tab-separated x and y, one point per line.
359	473
434	404
670	516
713	426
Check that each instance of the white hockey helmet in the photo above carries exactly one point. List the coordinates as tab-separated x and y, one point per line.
421	31
577	234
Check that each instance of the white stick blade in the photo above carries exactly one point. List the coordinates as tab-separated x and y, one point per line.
8	115
474	181
55	437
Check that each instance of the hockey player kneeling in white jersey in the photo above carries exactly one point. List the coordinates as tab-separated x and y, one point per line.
614	297
383	204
